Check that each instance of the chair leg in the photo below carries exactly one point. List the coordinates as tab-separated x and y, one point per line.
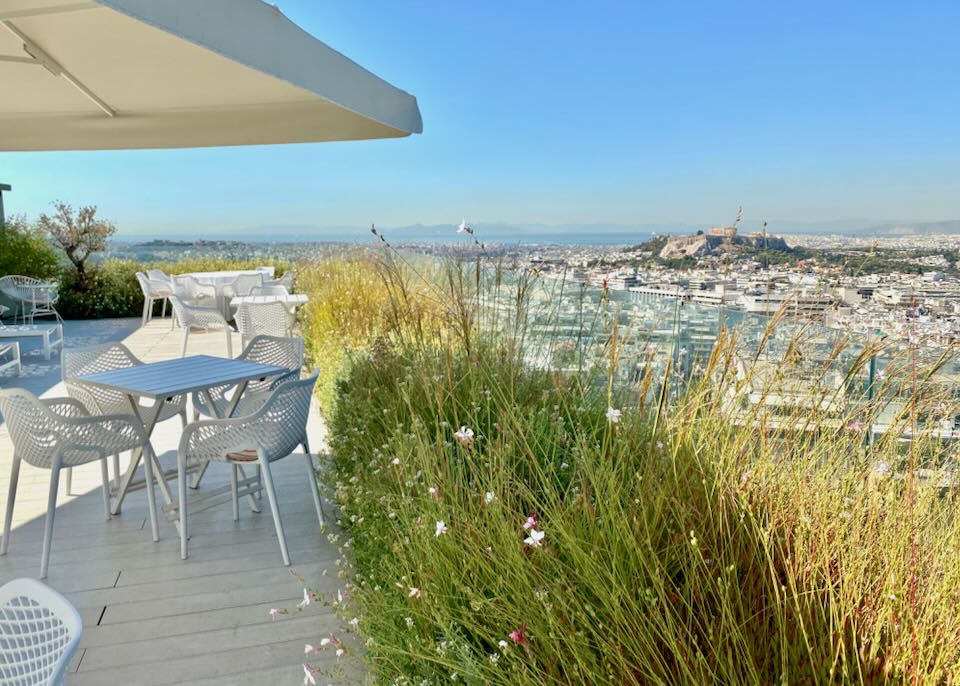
116	469
163	308
182	502
11	496
68	482
274	510
229	344
105	475
186	334
234	497
151	495
143	315
51	511
183	418
314	486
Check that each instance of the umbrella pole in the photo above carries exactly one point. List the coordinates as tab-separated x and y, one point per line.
3	187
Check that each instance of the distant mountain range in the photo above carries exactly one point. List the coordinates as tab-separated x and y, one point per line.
503	232
915	228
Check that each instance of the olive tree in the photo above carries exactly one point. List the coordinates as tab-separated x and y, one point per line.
79	234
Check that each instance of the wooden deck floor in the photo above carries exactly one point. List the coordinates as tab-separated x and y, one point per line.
149	617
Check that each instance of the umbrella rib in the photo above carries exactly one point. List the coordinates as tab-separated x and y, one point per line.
52	9
41	57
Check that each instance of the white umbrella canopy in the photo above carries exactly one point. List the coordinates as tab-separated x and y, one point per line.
119	74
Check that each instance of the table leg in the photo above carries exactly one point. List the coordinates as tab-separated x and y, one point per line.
149	424
150	459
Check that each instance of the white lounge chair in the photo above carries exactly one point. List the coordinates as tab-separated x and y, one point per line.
193	317
59	433
39	633
35	297
269	434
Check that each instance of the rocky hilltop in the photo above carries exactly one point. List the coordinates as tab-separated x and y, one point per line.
719	240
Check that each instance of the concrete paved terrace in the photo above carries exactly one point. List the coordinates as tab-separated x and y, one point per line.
150	617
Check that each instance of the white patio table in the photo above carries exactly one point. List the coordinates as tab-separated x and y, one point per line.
51	335
158	381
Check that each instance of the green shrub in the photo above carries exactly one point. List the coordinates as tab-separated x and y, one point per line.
112	291
24	250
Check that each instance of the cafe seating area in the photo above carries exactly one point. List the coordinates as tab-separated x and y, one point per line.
195	590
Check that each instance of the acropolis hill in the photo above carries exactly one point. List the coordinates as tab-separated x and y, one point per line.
720	239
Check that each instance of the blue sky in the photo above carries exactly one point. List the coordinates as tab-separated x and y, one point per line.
581	112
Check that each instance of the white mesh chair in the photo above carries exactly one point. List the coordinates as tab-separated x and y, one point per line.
153	290
240	286
270	319
59	433
39	633
33	296
159	275
269	434
272	350
100	400
270	289
286	281
192	318
192	292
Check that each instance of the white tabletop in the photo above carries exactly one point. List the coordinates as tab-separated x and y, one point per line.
225	277
289	299
181	375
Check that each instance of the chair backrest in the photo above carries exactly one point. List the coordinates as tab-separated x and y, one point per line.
287	280
269	289
144	282
271	319
179	309
153	288
158	275
282	421
30	427
187	287
17	287
98	358
39	633
243	284
278	351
